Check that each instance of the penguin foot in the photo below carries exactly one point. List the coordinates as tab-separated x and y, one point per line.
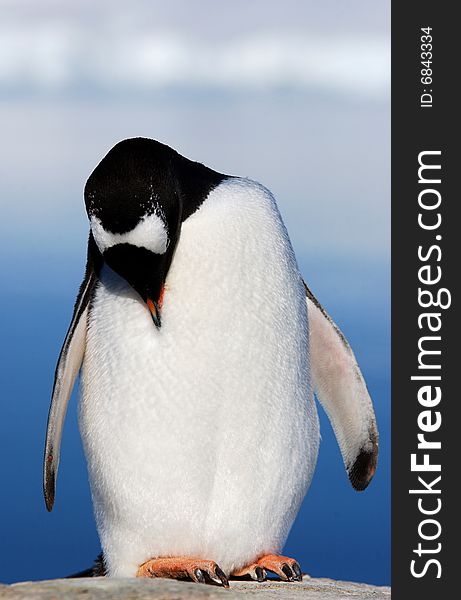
253	571
197	569
287	569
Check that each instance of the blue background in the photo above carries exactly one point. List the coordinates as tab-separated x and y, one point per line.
315	134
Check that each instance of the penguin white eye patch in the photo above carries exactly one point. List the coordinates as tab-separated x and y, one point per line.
149	233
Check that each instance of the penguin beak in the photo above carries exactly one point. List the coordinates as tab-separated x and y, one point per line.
155	307
154	310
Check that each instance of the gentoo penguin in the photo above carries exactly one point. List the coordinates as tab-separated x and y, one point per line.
200	349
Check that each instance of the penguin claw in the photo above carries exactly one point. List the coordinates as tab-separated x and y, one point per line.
199	577
288	572
259	574
221	576
297	570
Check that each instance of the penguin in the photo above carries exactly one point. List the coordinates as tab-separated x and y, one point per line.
200	348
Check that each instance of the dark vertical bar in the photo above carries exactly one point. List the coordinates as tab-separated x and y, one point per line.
425	124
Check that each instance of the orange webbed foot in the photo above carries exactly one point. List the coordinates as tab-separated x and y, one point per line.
197	569
286	568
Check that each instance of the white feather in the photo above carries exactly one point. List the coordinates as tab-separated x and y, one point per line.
201	438
150	233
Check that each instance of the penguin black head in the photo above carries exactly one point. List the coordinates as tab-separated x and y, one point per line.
133	202
136	199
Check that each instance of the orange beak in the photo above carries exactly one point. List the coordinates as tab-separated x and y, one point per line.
154	311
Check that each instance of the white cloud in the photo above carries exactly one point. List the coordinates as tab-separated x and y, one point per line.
60	55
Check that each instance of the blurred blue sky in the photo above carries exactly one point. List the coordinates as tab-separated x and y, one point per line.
295	95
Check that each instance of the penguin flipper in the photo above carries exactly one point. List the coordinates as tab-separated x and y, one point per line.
67	368
342	391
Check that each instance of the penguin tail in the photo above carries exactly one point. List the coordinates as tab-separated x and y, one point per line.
97	570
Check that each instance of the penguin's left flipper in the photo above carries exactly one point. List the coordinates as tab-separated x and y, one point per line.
342	391
69	363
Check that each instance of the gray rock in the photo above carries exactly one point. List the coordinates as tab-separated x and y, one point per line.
102	588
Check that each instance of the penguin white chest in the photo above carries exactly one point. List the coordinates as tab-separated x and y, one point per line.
201	437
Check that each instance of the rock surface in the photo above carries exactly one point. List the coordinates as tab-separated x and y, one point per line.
101	588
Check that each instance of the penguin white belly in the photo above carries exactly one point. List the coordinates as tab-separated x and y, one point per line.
201	438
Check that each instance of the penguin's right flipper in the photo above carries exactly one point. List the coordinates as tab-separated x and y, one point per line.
69	363
342	391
